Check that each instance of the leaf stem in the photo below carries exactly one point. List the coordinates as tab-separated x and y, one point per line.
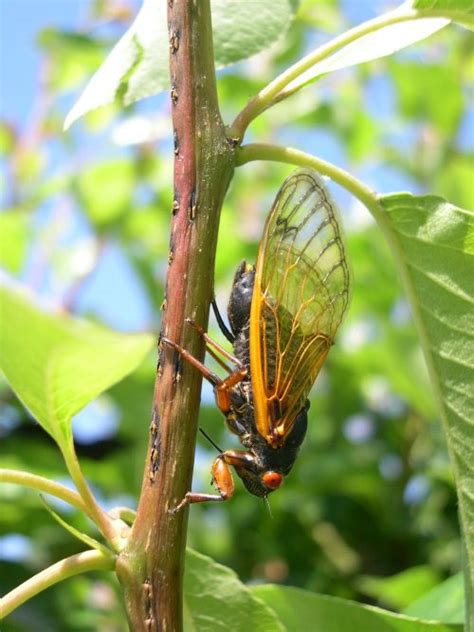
125	514
70	566
277	153
103	521
271	93
45	485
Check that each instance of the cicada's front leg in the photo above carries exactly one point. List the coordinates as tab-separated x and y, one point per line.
221	478
221	387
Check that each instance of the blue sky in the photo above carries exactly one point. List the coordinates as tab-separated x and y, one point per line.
20	21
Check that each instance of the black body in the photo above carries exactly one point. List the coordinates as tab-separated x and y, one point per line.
261	457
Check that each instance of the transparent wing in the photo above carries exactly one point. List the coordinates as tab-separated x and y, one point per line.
301	292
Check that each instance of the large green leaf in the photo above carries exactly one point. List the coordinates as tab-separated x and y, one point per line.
301	610
56	364
433	242
444	603
215	599
461	11
138	66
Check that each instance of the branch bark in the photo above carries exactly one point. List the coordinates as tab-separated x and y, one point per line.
151	566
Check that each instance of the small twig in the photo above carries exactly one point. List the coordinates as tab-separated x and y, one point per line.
74	565
275	90
45	485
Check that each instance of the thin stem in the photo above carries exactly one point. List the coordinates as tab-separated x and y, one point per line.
125	514
102	520
74	565
276	153
270	93
44	485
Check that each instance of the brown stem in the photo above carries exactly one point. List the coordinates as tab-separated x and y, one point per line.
151	566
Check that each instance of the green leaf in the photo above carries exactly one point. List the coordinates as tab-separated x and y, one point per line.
302	610
138	66
418	88
454	181
382	42
215	599
460	11
402	589
105	190
56	364
72	56
83	537
433	243
7	138
443	603
14	228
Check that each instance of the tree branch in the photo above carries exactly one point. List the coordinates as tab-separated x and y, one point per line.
151	566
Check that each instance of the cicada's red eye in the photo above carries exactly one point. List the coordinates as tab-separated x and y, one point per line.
272	480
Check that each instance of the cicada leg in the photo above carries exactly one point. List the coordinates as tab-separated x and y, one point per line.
213	344
221	474
214	379
221	478
221	387
220	321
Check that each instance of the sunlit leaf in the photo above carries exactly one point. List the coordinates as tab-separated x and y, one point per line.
302	610
215	599
380	43
461	11
138	66
443	603
56	364
433	243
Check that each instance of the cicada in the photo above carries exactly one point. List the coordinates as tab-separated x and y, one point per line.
284	313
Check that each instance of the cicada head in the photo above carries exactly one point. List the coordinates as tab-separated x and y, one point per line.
260	482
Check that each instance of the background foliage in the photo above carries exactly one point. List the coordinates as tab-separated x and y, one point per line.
369	511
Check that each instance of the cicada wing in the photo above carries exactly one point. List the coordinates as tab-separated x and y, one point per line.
300	295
